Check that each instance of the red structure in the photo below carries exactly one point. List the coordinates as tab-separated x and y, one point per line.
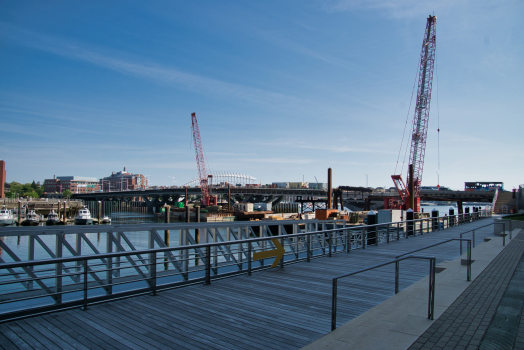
207	199
410	198
2	178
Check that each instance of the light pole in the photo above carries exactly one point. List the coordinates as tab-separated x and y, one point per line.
438	181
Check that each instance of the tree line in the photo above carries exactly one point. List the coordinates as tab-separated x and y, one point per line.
33	190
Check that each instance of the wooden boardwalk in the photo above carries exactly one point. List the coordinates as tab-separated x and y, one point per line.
274	309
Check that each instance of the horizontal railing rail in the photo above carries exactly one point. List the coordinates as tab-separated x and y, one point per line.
43	285
468	269
431	300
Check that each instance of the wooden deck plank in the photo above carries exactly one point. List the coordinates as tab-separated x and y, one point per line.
42	335
170	325
68	332
272	309
68	320
44	323
204	328
5	343
247	322
141	319
13	337
222	330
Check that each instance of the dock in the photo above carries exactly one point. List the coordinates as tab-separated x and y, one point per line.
280	308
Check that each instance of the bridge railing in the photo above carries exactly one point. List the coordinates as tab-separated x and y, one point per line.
123	269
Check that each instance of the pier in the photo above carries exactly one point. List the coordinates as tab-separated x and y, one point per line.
257	307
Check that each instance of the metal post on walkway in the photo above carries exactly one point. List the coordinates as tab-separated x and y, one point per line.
397	276
334	305
469	261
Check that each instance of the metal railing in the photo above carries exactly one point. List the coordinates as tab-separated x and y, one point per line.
431	300
468	269
34	286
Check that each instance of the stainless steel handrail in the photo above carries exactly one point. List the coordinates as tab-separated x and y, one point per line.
468	270
431	301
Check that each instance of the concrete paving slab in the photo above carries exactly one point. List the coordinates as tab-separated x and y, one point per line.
399	321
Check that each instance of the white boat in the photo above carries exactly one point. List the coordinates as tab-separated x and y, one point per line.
106	220
31	219
83	217
6	217
53	218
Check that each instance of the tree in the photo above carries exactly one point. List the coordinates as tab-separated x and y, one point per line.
67	193
31	194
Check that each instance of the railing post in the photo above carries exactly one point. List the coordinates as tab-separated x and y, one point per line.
282	243
330	243
473	238
461	244
364	237
431	303
387	233
31	256
397	276
348	241
504	234
109	263
59	267
208	265
152	272
308	247
469	261
249	258
398	231
85	285
334	305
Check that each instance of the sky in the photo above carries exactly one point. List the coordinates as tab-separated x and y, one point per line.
282	90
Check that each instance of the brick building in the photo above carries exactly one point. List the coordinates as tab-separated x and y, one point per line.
75	184
122	181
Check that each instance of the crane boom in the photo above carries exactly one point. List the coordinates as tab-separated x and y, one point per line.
421	117
201	164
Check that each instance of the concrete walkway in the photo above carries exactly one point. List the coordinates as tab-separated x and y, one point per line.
463	310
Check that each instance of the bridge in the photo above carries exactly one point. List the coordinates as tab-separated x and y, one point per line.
156	198
354	197
256	307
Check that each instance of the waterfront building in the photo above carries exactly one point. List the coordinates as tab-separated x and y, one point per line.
75	184
123	181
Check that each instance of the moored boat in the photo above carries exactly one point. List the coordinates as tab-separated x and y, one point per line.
31	219
106	220
6	217
53	218
83	217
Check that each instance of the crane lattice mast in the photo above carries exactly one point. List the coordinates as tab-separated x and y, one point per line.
421	117
201	164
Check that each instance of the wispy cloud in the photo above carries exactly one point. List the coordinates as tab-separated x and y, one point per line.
280	41
117	61
330	148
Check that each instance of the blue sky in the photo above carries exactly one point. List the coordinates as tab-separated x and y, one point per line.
282	89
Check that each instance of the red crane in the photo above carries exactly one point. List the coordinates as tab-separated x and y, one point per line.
410	198
207	199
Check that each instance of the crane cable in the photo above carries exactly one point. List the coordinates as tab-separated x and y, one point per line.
405	125
438	114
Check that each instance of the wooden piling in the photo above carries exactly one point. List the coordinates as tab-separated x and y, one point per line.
19	212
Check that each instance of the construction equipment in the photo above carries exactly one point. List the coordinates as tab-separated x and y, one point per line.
410	196
207	199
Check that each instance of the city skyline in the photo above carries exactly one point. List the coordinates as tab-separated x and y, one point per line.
282	91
